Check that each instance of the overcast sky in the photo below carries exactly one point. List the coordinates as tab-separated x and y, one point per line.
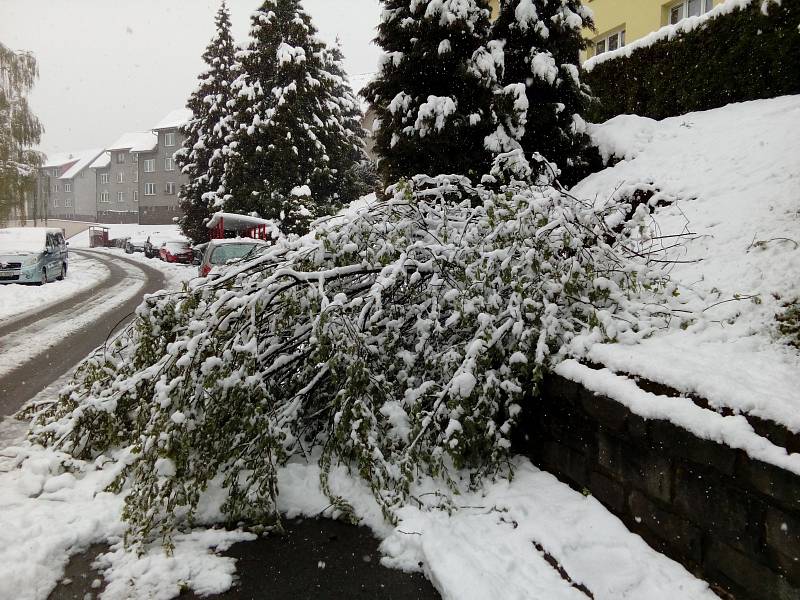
111	66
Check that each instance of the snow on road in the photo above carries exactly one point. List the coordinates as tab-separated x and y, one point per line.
735	172
22	344
84	273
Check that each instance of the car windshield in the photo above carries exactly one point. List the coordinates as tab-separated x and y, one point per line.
228	252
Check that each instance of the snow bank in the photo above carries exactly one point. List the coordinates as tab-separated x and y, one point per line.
736	175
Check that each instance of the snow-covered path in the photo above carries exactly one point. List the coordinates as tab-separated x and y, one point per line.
38	348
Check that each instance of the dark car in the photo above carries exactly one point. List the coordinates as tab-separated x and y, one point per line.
134	245
177	252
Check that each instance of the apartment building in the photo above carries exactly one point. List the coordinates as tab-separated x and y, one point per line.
70	185
118	181
620	22
160	178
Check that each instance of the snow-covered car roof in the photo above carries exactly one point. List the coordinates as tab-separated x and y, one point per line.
24	239
238	240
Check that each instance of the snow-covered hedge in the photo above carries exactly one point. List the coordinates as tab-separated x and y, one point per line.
399	341
742	50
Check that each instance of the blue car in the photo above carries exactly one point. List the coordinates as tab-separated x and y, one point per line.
32	255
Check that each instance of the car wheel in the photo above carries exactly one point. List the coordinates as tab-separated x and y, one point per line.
63	272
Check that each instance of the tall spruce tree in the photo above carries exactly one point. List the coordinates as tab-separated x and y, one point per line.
20	130
541	41
291	140
433	105
201	157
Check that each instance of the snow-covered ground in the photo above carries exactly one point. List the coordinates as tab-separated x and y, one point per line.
174	274
16	300
735	172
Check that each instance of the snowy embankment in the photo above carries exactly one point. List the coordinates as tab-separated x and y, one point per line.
731	177
17	300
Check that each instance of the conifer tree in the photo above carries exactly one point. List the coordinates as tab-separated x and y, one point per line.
200	158
432	103
20	130
291	139
541	42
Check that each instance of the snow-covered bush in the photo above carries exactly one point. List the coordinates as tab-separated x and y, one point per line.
399	341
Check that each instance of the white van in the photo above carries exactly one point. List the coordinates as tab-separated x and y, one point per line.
32	255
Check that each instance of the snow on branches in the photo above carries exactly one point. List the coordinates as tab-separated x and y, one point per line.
400	341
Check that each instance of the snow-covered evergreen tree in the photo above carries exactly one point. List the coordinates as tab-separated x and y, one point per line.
541	42
292	138
200	158
432	105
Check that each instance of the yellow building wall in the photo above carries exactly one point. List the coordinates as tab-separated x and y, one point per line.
636	17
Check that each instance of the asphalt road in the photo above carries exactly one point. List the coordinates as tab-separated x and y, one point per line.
49	347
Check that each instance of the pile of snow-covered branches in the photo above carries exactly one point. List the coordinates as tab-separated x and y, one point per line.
400	341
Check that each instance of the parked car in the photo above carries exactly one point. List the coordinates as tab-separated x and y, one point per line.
222	252
32	255
135	245
176	252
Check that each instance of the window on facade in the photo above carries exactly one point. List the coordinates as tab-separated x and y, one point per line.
136	175
135	157
104	197
169	139
120	196
67	187
169	164
120	177
68	203
135	196
169	189
120	157
610	42
150	165
57	188
103	177
55	202
689	8
149	189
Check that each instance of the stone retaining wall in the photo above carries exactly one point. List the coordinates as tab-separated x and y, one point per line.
732	520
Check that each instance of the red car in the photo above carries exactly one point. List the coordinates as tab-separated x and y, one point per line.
176	252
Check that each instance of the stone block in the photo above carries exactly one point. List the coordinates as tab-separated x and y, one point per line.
782	533
637	431
607	412
561	460
676	441
611	493
678	535
755	580
644	469
778	484
727	513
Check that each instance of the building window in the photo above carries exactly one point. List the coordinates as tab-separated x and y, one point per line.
68	202
121	177
689	8
67	187
135	196
609	42
120	157
104	197
103	177
169	164
120	196
170	189
169	139
57	188
149	189
150	165
136	157
136	176
55	202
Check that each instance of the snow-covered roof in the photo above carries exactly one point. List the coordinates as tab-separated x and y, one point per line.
24	239
234	221
58	160
138	141
174	119
101	161
82	160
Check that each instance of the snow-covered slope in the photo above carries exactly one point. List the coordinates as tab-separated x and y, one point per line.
735	175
